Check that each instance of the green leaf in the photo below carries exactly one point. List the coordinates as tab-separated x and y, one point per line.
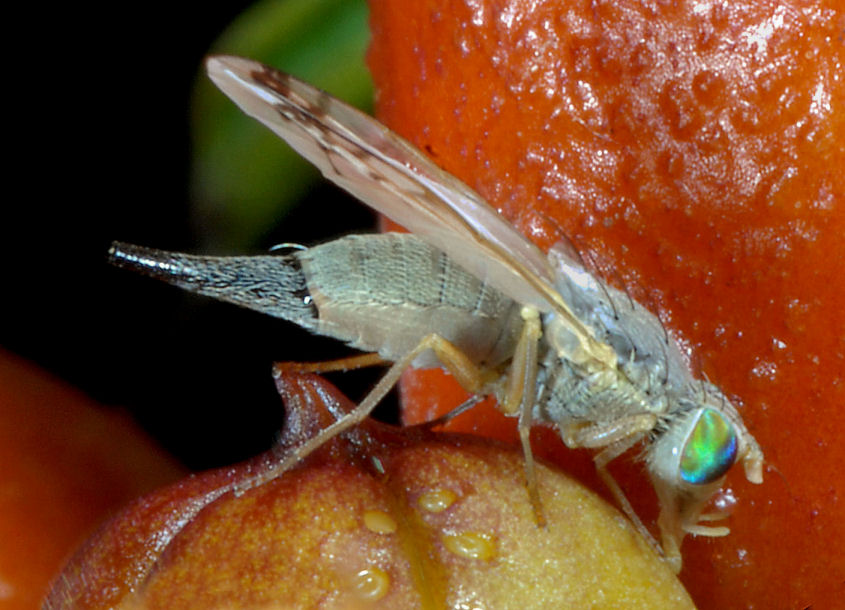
244	178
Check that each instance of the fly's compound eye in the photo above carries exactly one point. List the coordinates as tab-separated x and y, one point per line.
710	449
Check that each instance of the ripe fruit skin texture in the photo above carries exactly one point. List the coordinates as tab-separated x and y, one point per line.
692	152
380	517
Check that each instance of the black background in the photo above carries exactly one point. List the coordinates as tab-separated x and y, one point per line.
99	137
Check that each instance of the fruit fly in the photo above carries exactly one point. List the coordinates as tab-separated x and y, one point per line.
465	291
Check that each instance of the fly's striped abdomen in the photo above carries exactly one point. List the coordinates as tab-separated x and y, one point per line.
379	293
386	292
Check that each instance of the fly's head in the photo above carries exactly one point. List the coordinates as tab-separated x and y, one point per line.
692	450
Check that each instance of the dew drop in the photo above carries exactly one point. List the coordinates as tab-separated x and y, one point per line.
371	584
379	522
471	545
437	500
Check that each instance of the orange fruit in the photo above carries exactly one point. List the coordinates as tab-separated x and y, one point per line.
694	154
379	517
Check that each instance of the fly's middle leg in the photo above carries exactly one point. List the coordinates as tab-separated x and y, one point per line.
520	396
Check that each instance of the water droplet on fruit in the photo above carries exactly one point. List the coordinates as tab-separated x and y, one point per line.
379	522
371	584
437	500
471	545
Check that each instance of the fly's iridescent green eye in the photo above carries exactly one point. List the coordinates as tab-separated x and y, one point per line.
710	449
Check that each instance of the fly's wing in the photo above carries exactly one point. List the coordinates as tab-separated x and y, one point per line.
392	176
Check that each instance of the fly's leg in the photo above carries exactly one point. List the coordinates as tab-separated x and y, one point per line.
444	419
519	398
594	436
454	360
472	378
602	459
616	438
713	531
328	366
710	530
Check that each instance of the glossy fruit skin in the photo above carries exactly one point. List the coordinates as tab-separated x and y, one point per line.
379	517
691	152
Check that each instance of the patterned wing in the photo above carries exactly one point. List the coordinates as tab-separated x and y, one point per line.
392	176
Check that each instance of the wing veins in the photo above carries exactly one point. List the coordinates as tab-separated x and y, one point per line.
421	189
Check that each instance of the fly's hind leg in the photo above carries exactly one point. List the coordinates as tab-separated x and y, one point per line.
328	366
471	377
520	392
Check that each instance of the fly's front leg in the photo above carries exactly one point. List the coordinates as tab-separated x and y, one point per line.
520	395
616	438
593	436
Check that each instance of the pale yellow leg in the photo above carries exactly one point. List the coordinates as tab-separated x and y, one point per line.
520	395
616	438
602	459
471	377
714	531
592	436
465	406
341	364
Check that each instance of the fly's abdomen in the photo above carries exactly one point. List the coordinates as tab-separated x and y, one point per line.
380	293
386	292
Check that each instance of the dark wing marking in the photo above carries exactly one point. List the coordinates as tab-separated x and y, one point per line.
389	174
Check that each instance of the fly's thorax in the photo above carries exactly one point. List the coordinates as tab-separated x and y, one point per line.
568	393
645	353
701	434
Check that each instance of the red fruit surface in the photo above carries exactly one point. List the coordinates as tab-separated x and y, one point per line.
66	463
694	152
